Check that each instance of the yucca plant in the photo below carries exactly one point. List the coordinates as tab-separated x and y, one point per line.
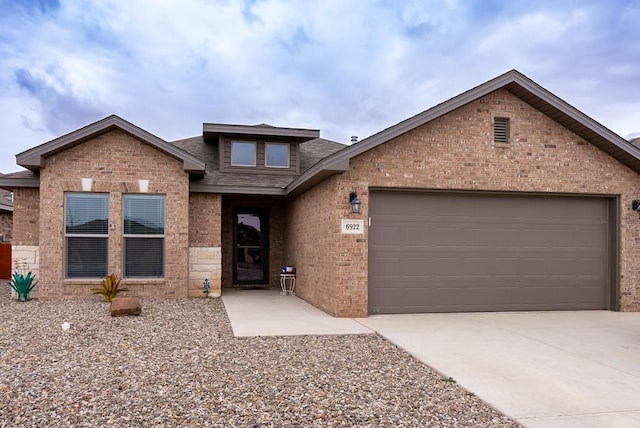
110	287
22	285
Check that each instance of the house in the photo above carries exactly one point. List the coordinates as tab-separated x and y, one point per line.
502	198
6	215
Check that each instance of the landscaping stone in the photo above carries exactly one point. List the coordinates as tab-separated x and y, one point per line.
123	306
179	365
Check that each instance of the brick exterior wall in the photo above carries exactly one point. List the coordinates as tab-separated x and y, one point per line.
26	207
454	152
205	253
115	161
6	225
276	234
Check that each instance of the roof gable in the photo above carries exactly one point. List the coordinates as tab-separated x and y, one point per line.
512	81
35	158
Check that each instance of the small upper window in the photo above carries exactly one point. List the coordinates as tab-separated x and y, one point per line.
243	153
501	130
277	155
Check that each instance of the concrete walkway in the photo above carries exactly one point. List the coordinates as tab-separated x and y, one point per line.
267	313
545	369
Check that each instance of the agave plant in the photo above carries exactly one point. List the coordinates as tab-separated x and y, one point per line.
22	285
110	287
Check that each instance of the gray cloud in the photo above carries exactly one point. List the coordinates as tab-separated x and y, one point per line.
348	68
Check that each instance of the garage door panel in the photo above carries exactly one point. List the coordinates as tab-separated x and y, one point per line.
501	253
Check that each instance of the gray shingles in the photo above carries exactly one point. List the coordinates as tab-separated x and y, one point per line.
310	153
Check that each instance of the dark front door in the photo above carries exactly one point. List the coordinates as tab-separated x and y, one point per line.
251	244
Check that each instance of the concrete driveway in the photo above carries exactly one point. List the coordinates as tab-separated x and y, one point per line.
545	369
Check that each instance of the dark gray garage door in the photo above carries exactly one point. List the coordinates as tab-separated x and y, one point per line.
440	252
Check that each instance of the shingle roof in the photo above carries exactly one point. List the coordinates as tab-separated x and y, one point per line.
310	152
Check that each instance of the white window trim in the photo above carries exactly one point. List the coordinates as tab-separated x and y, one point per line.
135	235
288	146
254	153
82	235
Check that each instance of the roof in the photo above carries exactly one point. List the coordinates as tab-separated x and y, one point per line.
320	158
297	135
512	81
35	158
214	181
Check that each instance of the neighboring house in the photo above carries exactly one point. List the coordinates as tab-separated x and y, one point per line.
6	215
502	198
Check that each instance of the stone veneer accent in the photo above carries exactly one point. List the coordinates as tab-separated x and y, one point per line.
30	255
115	161
454	152
204	262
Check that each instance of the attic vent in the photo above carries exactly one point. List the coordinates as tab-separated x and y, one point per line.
501	130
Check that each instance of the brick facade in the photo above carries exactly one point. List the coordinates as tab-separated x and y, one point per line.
454	152
115	161
26	207
205	253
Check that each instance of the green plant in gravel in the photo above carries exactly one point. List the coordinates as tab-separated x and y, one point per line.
449	380
22	285
110	287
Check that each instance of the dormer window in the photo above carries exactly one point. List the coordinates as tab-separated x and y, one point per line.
276	155
243	153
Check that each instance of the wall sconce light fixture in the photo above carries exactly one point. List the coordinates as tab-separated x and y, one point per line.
356	205
635	205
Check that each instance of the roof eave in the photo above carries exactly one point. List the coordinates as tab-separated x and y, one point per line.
35	158
13	183
236	190
314	175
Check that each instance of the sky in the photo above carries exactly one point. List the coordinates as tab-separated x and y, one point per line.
345	67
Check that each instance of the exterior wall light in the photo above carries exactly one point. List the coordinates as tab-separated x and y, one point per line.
635	205
356	205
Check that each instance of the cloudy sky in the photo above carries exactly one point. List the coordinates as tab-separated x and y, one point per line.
346	67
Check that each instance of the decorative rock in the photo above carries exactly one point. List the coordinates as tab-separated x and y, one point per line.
123	306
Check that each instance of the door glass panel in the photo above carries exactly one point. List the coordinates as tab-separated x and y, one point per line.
250	245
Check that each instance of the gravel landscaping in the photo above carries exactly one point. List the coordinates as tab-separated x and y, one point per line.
178	364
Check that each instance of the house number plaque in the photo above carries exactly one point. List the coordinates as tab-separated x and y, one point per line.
353	227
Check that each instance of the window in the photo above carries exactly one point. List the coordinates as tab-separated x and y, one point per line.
276	155
86	234
501	130
243	153
143	236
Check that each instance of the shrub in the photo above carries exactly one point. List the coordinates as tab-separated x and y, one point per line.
110	287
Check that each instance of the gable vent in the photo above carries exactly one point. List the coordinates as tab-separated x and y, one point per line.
501	130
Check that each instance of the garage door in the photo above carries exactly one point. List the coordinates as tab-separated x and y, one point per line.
440	252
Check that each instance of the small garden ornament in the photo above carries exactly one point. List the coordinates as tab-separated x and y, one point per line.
206	287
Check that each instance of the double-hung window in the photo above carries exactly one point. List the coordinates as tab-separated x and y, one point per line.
144	218
86	233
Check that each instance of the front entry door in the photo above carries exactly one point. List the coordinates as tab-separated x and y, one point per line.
251	244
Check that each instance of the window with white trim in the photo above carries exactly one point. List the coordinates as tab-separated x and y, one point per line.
86	231
276	155
143	235
243	153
